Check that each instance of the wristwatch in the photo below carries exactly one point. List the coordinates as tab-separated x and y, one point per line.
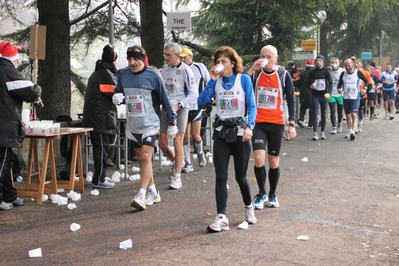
180	105
291	124
251	127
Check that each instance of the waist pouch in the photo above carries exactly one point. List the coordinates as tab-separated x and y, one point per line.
229	127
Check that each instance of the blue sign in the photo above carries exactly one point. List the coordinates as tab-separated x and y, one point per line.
366	56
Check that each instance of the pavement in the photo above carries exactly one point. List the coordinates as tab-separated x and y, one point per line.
344	198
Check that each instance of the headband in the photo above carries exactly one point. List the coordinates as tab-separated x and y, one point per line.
136	54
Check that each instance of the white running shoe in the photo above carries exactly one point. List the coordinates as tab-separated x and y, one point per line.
334	130
221	223
152	198
139	202
176	182
250	214
339	129
323	135
315	136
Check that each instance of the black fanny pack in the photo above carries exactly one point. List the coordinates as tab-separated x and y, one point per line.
230	127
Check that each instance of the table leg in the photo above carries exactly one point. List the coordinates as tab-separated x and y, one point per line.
80	164
53	169
43	173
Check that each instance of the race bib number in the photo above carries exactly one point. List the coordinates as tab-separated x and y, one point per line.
170	85
267	98
135	105
320	84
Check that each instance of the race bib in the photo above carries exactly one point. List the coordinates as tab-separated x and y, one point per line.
135	106
267	98
320	84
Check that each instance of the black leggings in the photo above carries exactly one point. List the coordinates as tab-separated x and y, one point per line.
340	108
221	154
362	107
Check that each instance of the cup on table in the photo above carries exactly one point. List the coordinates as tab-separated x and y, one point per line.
57	127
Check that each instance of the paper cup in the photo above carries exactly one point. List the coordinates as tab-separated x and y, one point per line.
126	244
35	253
55	198
219	68
62	200
264	62
74	227
75	196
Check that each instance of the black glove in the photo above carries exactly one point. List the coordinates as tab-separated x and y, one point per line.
38	103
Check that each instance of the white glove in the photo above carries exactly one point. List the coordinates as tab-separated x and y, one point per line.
115	99
172	131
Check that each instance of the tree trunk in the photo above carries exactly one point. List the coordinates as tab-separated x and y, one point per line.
152	35
54	72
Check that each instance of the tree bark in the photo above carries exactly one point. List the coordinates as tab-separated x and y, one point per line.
54	71
152	35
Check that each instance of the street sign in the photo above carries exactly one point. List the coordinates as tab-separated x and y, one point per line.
366	56
37	48
309	45
303	55
179	21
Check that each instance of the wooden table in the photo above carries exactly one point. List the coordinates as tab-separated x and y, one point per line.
41	186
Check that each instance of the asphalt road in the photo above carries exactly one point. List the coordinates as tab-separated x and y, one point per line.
345	198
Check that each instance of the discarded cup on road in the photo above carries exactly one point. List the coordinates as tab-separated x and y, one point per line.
62	200
210	159
135	169
35	253
72	206
54	198
303	237
304	159
126	244
44	197
243	225
121	166
89	178
95	192
74	227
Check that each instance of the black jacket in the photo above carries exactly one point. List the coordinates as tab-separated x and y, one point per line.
320	73
305	95
99	112
15	90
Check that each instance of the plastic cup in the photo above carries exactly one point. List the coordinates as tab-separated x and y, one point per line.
74	227
57	127
121	97
35	253
75	196
219	68
264	62
210	159
126	244
55	198
62	200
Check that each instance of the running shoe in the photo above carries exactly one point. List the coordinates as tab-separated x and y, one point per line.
352	135
391	117
250	215
201	160
188	167
6	206
18	202
310	127
339	128
323	135
334	130
386	115
139	202
347	136
176	182
315	136
152	198
301	123
259	201
273	202
221	223
104	184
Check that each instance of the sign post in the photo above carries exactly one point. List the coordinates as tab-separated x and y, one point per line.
179	21
309	45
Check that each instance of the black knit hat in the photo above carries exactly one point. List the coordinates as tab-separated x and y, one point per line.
109	55
321	57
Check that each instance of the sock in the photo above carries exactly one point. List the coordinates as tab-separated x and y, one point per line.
187	151
274	175
152	188
199	147
177	175
249	206
260	174
142	191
